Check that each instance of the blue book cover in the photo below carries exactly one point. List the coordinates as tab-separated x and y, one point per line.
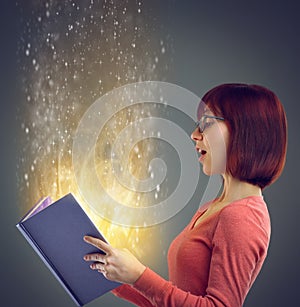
56	231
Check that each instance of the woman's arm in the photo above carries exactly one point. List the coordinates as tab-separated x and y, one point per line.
239	248
130	294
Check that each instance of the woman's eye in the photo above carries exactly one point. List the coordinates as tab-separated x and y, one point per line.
208	124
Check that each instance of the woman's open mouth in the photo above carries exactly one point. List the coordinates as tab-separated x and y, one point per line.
202	153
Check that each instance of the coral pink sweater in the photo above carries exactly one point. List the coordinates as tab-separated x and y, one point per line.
212	264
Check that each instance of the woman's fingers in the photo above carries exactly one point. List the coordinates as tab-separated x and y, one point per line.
98	266
95	257
98	243
100	259
116	264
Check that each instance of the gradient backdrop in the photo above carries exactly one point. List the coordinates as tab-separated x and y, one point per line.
209	42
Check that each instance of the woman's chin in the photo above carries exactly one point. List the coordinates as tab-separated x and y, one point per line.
210	172
207	171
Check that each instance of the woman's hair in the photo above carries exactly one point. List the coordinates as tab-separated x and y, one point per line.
258	131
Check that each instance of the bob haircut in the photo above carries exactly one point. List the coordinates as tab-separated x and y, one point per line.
257	126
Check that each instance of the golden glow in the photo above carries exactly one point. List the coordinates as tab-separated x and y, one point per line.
55	177
66	62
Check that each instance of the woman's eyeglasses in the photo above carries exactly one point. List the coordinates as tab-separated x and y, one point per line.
206	121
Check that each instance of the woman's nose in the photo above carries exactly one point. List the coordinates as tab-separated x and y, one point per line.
197	135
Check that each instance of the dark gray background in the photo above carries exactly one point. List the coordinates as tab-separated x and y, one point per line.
214	42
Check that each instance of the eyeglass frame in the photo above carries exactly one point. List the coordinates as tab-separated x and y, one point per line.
201	120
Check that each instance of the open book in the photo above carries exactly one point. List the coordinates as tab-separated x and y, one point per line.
56	231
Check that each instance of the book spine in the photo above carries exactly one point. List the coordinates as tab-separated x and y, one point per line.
47	262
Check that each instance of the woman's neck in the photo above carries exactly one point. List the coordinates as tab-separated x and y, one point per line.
235	189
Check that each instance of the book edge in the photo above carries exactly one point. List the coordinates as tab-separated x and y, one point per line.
47	262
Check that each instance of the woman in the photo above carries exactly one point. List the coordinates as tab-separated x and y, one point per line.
242	135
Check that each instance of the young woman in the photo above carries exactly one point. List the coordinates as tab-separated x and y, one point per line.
242	135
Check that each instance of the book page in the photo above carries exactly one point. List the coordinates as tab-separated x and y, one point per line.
41	205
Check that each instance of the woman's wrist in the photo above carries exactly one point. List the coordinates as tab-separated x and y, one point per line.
140	269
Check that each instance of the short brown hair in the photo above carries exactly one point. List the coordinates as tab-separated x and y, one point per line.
258	131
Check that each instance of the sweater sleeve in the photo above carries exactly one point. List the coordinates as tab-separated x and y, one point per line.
130	294
239	246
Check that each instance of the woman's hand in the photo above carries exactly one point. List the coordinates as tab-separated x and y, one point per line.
116	264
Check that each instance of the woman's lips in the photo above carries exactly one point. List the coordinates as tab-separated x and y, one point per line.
202	153
202	157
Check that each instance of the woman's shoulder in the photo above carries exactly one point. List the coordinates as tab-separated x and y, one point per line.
254	204
250	213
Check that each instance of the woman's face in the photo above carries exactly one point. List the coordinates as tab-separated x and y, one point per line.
212	145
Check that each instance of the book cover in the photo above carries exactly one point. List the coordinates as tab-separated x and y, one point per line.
56	231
